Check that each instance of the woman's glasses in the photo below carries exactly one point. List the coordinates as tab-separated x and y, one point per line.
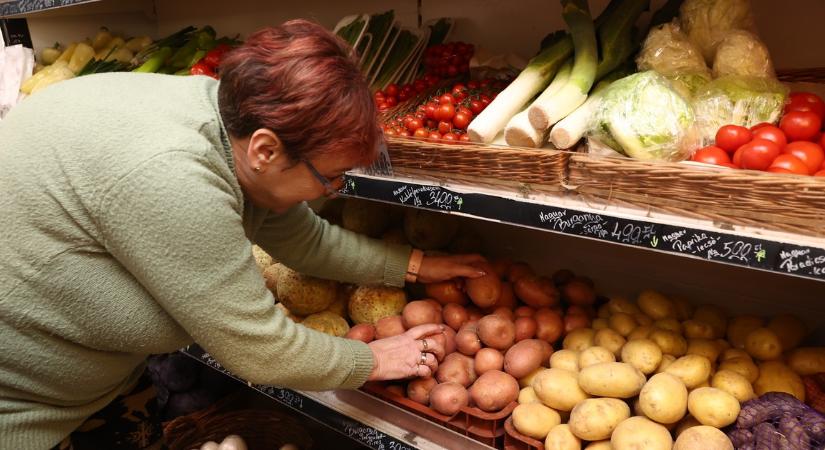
329	189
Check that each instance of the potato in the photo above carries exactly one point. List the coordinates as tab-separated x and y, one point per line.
558	389
528	380
775	376
685	424
488	359
693	370
656	305
494	390
447	340
484	291
547	352
578	292
456	368
595	355
501	266
517	271
496	332
363	332
622	323
565	359
664	398
763	344
704	347
714	407
526	328
467	340
740	326
534	420
420	312
640	332
523	358
550	325
610	340
714	316
579	340
621	304
304	295
527	395
734	353
789	329
599	445
694	329
667	360
642	354
446	292
669	324
524	311
643	319
419	390
389	327
595	419
368	304
684	309
612	379
454	315
640	433
271	274
538	292
575	321
807	360
448	398
734	384
561	438
671	343
474	314
599	324
327	322
703	438
743	366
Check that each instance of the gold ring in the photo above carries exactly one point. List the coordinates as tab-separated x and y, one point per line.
423	359
424	341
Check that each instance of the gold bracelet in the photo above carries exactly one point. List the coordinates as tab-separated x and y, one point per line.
415	264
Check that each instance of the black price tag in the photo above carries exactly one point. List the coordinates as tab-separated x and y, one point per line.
803	261
740	250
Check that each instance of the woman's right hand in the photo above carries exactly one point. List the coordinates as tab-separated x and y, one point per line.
400	356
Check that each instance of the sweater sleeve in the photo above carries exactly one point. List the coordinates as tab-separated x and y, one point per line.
176	225
309	244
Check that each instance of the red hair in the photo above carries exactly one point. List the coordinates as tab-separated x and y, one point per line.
300	81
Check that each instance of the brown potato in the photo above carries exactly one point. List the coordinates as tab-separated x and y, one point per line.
807	360
704	347
388	327
575	321
637	433
667	360
448	398
693	370
467	341
775	376
524	311
536	291
622	304
610	340
488	359
642	354
456	368
526	328
419	390
702	438
695	329
713	407
669	324
595	355
740	326
734	384
517	271
580	339
734	353
640	332
527	395
420	312
587	311
595	419
547	352
671	343
763	344
507	299
790	330
496	332
505	312
558	388
565	359
550	325
501	266
611	379
524	357
534	419
622	323
494	390
578	292
486	290
447	340
743	365
446	292
600	324
656	305
474	314
454	315
363	332
664	398
643	319
714	316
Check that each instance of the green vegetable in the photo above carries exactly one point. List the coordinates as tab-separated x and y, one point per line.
380	31
101	39
615	34
519	132
83	53
204	39
742	53
155	62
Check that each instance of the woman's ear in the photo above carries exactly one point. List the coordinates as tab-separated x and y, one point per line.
266	151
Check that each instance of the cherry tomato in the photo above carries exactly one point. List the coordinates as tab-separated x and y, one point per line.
461	120
449	137
761	125
800	125
415	124
432	123
758	154
771	133
434	136
809	153
391	101
737	157
792	163
711	155
451	72
383	106
731	137
466	138
391	90
476	106
429	110
390	132
404	96
421	133
421	116
821	173
444	127
458	88
406	119
379	96
446	99
445	111
472	85
420	86
805	101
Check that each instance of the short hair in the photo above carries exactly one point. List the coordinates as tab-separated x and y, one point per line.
303	83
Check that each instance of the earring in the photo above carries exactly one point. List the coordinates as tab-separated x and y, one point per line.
257	169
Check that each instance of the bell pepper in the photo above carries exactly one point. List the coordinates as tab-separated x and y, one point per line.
202	69
215	56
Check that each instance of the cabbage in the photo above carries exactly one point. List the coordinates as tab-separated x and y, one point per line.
687	84
643	117
742	53
668	51
707	22
737	100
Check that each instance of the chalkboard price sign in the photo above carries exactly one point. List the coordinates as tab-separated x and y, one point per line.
802	261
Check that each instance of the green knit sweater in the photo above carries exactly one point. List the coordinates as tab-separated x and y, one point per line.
124	232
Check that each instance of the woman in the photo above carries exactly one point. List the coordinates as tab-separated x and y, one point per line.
127	207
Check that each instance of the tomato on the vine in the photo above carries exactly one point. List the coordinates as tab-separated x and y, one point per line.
429	110
790	163
444	127
771	133
421	133
434	136
476	106
415	124
458	89
461	120
391	90
761	125
446	98
466	138
391	101
449	137
758	154
731	137
800	125
472	85
432	123
445	111
809	153
805	101
711	155
390	132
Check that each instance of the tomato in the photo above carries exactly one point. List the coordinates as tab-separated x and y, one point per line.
444	127
432	123
809	153
446	99
434	136
472	85
711	155
800	125
449	137
421	116
761	125
429	110
822	141
420	86
406	119
805	101
415	124
731	137
821	173
462	120
379	96
445	111
476	106
773	169
737	157
391	101
758	154
383	106
466	138
391	90
771	133
790	163
421	133
458	89
390	132
728	165
404	96
451	72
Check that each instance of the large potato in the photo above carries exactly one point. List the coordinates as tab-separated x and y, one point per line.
418	390
704	347
494	390
368	304
807	360
448	398
670	342
446	292
656	305
790	330
763	344
664	398
497	332
713	407
622	323
695	329
327	322
595	419
740	326
610	340
565	359
579	339
714	316
693	370
640	433
523	358
734	384
595	355
527	395
304	295
561	438
484	291
642	354
558	389
775	376
743	366
703	438
612	379
457	368
535	420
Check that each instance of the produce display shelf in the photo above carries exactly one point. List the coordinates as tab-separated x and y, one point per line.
361	417
18	7
792	254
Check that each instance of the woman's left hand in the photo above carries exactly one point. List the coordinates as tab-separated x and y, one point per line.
441	268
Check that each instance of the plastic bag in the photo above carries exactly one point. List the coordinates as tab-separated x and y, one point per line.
707	22
667	50
742	53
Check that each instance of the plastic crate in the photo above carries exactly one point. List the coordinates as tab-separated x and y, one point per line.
513	440
487	428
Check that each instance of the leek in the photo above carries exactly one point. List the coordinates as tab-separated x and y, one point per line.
616	34
519	131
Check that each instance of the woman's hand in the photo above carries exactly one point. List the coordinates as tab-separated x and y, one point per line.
400	356
441	268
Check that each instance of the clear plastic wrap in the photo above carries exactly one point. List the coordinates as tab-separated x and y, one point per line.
668	51
644	117
707	22
742	53
736	100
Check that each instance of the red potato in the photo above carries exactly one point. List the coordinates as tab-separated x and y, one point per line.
446	292
524	311
496	332
562	276
454	315
579	292
502	267
484	291
505	312
550	325
525	357
420	312
525	328
438	306
517	271
537	291
488	359
574	321
447	340
547	349
588	311
474	314
419	390
508	296
448	398
388	327
467	341
494	390
457	368
364	332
